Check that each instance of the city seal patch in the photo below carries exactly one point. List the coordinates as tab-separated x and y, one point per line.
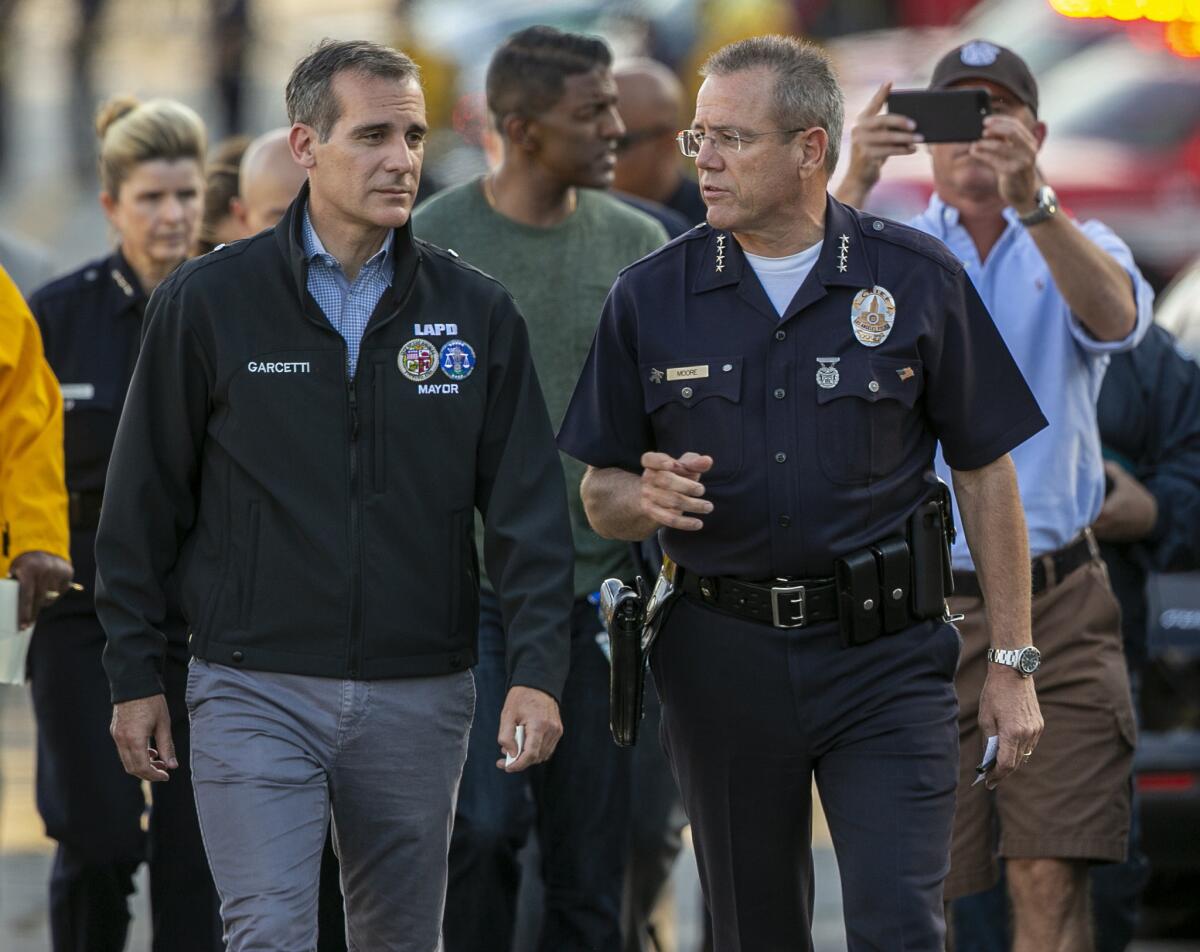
418	360
457	359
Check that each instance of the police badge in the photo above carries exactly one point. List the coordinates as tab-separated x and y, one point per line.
872	315
828	376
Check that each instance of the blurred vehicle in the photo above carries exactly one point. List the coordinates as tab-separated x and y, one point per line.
906	56
1179	309
1123	147
1167	763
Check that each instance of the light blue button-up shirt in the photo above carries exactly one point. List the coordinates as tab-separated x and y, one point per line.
348	307
1060	470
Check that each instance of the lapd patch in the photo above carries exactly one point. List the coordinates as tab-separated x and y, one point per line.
418	359
979	53
457	359
872	315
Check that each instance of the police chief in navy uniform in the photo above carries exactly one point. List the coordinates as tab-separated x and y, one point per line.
768	390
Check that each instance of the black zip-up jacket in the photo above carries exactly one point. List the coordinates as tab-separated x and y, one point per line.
322	525
1149	415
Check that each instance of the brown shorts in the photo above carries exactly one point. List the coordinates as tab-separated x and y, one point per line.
1071	800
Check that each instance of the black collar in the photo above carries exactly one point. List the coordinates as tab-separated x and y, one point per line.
290	238
120	285
843	263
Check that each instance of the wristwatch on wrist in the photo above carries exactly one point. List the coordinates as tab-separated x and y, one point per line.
1047	207
1024	660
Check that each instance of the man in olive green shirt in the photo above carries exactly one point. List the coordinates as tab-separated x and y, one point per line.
540	225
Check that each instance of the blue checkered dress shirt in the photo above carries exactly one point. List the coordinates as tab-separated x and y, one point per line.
346	306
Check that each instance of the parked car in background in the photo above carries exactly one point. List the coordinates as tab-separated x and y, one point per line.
1167	762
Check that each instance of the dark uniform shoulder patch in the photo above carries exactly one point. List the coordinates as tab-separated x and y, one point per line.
911	238
671	247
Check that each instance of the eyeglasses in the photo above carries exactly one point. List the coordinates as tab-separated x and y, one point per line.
724	140
630	139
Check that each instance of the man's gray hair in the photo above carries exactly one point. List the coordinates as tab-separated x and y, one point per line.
806	90
310	96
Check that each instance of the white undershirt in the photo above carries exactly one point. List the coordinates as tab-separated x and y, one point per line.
781	277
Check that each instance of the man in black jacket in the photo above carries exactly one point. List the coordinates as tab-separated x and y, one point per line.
1149	414
315	416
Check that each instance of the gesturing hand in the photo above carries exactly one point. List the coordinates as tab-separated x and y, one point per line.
671	488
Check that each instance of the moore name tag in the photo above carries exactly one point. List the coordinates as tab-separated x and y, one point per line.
688	373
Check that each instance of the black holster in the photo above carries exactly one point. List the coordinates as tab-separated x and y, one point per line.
633	619
624	611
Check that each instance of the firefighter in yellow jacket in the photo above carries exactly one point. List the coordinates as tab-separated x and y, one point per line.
33	494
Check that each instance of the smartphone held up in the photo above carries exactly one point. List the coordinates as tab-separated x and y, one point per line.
943	115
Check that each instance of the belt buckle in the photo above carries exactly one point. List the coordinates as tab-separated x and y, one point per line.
796	619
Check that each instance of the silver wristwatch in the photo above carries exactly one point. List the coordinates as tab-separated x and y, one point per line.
1047	207
1024	660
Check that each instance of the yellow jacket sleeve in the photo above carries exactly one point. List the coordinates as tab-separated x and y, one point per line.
33	493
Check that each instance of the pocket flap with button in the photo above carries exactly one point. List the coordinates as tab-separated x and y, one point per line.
688	382
873	378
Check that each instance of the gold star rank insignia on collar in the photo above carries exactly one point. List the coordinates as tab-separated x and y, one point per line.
843	251
122	283
720	253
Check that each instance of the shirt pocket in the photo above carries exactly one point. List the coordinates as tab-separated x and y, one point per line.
698	414
91	413
865	424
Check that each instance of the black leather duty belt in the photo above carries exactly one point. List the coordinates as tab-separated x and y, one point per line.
1046	571
83	509
784	603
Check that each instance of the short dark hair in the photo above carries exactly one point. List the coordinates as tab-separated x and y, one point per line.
528	72
310	96
806	90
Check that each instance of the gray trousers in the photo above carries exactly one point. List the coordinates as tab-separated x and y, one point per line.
274	754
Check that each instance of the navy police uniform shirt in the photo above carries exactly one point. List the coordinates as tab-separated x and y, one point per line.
821	424
91	324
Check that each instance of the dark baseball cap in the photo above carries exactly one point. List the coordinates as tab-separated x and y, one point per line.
980	59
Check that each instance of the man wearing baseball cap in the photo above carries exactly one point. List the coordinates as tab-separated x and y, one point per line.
1065	296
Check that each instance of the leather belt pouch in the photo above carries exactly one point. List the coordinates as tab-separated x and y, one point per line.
859	616
894	581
